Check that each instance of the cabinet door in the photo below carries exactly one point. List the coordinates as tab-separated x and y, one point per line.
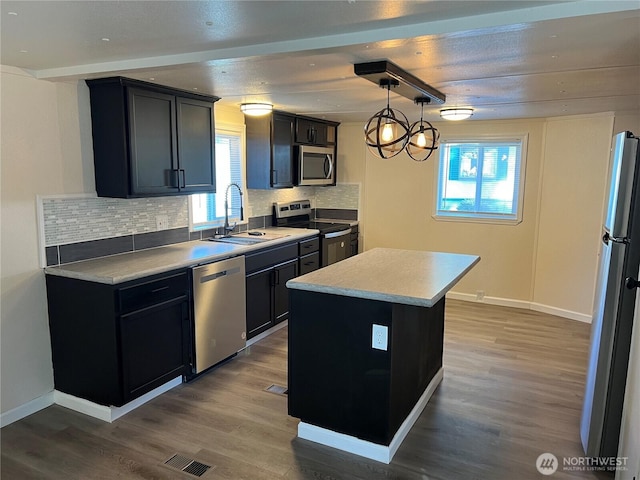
282	151
152	142
259	302
283	273
196	160
310	132
155	346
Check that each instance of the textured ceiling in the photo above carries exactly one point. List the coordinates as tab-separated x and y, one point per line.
506	59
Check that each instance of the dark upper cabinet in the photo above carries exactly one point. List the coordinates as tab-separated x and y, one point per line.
196	147
270	154
311	131
150	140
271	146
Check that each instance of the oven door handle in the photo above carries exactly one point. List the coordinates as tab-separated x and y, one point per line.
341	233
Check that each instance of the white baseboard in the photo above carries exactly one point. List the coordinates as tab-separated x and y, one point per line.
266	333
508	302
26	409
364	448
105	413
559	312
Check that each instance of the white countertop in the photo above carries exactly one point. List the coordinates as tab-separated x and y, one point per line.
133	265
409	277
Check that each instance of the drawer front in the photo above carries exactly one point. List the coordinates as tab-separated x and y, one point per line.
270	257
309	246
156	291
309	263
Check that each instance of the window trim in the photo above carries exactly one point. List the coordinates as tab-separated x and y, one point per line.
523	138
226	129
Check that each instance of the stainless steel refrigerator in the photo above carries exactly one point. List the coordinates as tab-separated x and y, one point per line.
614	303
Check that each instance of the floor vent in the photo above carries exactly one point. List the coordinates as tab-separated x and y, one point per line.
277	389
187	465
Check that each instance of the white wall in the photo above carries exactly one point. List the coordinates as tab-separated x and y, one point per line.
44	151
547	262
398	204
572	197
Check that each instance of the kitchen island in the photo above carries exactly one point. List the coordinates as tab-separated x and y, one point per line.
365	346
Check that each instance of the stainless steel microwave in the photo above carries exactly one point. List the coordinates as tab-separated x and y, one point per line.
316	165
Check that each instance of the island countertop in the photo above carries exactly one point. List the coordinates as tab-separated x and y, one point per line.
409	277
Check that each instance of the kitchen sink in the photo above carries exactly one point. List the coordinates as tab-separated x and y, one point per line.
246	238
240	240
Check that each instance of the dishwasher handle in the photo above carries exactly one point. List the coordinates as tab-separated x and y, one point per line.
216	275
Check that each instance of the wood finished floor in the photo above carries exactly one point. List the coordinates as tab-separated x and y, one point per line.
512	390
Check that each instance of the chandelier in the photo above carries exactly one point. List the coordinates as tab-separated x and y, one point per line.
423	137
388	132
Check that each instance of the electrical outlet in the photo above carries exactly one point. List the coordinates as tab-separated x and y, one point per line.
380	337
162	222
480	295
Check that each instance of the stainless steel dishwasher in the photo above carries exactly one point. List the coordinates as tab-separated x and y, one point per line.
220	323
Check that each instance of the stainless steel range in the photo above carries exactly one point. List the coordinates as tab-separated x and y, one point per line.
334	237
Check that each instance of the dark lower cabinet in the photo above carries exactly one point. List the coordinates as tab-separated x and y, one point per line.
268	271
113	343
282	274
152	353
353	246
309	263
259	302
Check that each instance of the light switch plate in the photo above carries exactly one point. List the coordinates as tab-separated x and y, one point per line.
380	337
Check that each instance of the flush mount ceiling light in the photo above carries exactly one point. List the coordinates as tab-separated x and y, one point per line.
256	109
386	133
456	113
423	137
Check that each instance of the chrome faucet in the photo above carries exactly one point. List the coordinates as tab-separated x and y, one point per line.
228	228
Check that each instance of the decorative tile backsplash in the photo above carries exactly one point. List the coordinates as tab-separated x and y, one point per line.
341	196
73	219
77	228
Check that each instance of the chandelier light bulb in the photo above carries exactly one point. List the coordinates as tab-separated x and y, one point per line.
387	132
421	141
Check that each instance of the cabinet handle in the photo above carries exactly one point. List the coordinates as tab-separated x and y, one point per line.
175	178
156	290
274	177
277	277
184	178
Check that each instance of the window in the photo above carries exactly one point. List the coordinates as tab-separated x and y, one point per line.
481	180
207	209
